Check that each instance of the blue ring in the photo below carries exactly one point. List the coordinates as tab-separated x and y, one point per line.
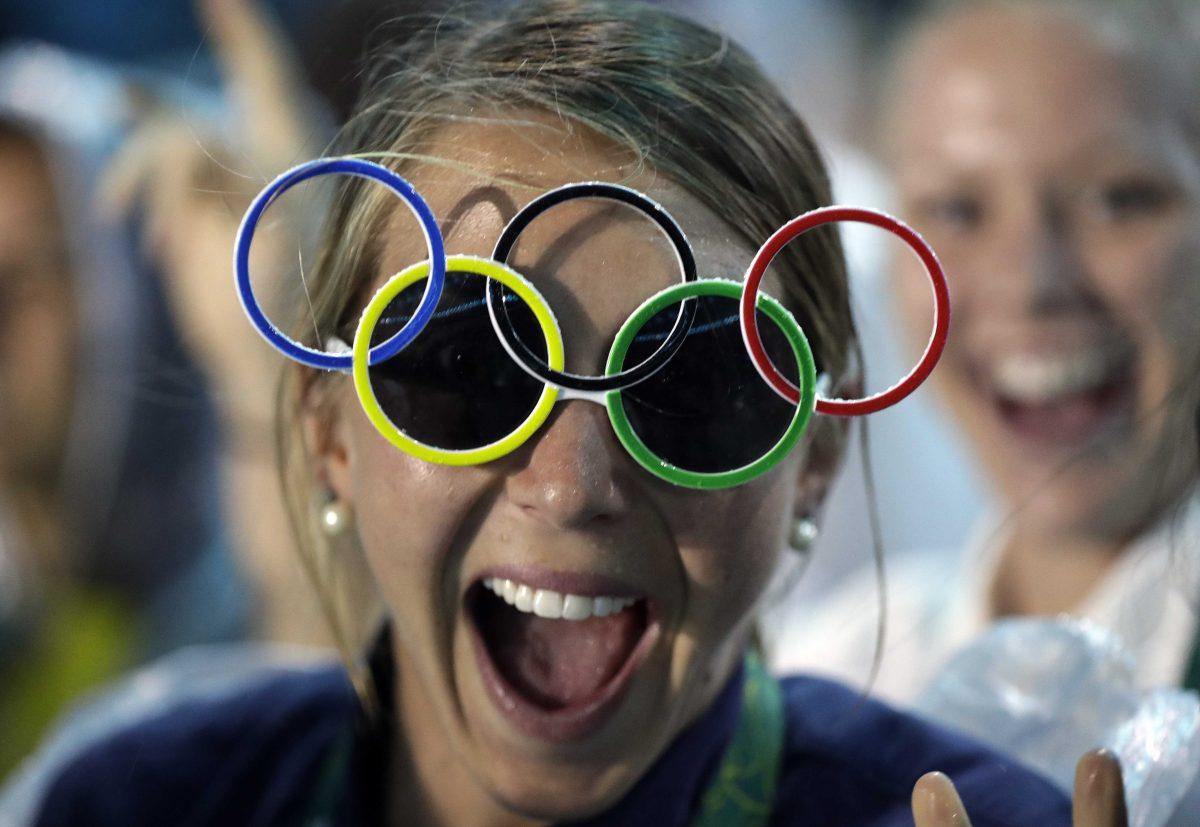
433	241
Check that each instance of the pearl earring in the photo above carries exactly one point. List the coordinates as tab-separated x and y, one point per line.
335	517
803	534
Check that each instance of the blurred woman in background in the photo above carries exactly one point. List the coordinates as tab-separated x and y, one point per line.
112	549
1051	154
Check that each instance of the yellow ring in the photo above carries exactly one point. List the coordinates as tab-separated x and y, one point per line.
362	345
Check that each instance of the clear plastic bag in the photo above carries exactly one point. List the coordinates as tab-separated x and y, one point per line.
1048	690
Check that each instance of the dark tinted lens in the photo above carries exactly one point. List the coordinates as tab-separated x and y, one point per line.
455	387
708	410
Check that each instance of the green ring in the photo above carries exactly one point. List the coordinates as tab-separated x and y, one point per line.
720	479
362	344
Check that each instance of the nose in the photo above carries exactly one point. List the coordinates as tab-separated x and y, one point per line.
1046	273
1058	274
568	474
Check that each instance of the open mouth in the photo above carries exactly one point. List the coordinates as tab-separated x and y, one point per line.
1066	401
557	662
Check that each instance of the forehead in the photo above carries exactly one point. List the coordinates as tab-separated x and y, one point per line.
594	261
486	170
1014	85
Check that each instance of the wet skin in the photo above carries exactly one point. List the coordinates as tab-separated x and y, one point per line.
569	503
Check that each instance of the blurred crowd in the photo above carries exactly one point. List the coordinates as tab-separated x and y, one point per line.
1051	156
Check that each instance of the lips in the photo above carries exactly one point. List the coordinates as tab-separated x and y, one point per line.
1065	400
558	651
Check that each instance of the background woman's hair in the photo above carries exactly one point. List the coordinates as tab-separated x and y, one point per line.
1160	42
689	103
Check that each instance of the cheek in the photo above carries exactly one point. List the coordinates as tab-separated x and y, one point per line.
730	543
413	520
1151	281
913	300
1137	269
41	344
37	375
913	304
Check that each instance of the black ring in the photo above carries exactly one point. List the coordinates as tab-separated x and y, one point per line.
531	362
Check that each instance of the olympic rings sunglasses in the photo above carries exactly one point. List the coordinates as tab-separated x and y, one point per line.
708	384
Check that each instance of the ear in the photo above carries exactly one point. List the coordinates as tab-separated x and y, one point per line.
325	433
826	450
820	467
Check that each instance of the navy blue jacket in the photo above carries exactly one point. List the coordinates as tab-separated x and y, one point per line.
261	755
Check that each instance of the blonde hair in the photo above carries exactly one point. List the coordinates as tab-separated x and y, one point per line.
692	105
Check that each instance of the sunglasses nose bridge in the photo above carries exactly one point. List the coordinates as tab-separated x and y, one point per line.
598	397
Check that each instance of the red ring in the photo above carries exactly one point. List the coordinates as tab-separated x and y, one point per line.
941	309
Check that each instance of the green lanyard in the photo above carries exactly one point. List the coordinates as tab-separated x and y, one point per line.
740	794
742	791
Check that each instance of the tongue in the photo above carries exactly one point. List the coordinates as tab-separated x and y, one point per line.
1071	419
560	663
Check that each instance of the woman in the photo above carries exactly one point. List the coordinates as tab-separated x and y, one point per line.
565	636
112	550
1051	155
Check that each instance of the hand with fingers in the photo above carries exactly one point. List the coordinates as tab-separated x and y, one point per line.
1099	798
193	188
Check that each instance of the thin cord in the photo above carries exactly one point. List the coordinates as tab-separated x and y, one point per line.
312	311
877	550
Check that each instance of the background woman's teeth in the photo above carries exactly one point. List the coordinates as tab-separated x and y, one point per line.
551	604
547	604
1040	378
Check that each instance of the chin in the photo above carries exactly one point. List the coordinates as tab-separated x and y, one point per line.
1080	501
552	792
1060	512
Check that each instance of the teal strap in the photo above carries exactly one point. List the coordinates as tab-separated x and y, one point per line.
742	792
331	782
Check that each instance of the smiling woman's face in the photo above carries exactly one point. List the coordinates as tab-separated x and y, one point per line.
557	717
1063	195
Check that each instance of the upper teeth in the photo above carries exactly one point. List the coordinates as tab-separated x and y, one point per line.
552	604
1029	378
